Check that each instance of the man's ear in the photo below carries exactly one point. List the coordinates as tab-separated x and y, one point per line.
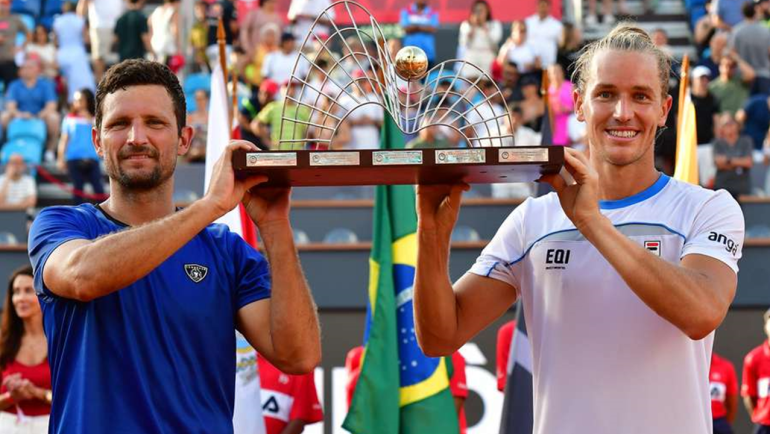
577	99
96	139
665	109
185	140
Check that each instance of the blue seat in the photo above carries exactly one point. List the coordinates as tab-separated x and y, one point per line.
25	137
27	7
465	234
7	238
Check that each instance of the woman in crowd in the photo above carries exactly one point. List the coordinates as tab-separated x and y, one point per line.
560	100
479	38
517	50
25	394
45	49
76	152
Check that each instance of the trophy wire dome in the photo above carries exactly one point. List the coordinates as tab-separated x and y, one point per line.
327	87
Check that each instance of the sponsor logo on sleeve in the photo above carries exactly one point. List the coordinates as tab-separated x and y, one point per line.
730	245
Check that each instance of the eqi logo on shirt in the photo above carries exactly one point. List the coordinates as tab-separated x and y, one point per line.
730	245
196	272
557	259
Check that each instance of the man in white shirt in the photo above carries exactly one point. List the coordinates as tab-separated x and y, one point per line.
365	120
17	189
624	273
102	16
545	33
278	65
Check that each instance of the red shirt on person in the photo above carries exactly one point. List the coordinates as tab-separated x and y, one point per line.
723	383
40	376
504	337
287	397
756	382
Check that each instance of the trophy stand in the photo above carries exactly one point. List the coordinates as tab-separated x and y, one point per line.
325	88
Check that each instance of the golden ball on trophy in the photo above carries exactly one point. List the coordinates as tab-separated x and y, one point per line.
411	63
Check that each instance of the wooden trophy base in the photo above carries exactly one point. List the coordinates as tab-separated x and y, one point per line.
400	166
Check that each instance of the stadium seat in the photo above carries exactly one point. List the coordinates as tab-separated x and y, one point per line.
758	231
51	9
340	236
185	196
465	234
27	138
193	83
7	238
33	8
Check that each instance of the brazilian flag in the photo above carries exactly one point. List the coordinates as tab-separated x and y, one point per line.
399	389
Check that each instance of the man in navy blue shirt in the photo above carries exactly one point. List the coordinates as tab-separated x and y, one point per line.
33	96
140	300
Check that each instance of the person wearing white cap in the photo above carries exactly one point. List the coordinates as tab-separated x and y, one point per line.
706	111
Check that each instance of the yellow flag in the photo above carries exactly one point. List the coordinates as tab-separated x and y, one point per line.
686	168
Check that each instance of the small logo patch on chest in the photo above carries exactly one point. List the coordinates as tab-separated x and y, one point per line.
653	247
196	272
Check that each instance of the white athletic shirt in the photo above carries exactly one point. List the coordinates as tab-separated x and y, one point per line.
603	361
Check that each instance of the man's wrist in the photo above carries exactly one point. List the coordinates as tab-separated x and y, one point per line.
593	227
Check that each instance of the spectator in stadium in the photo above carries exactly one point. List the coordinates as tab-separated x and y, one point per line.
267	124
420	23
164	27
544	32
706	106
227	11
302	14
10	26
268	43
570	45
71	56
532	106
522	136
328	137
247	118
41	46
704	31
517	49
480	36
731	90
732	157
76	154
643	306
199	121
509	84
560	100
365	121
756	371
199	37
660	39
717	47
724	394
755	118
750	39
278	65
727	13
289	402
17	189
132	35
608	15
25	394
33	96
102	16
257	19
437	136
138	255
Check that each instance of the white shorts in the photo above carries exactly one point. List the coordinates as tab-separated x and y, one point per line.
101	43
12	424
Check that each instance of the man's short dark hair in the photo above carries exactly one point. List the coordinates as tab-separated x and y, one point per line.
140	72
748	10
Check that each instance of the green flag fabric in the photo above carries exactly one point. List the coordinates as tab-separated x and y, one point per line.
399	389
